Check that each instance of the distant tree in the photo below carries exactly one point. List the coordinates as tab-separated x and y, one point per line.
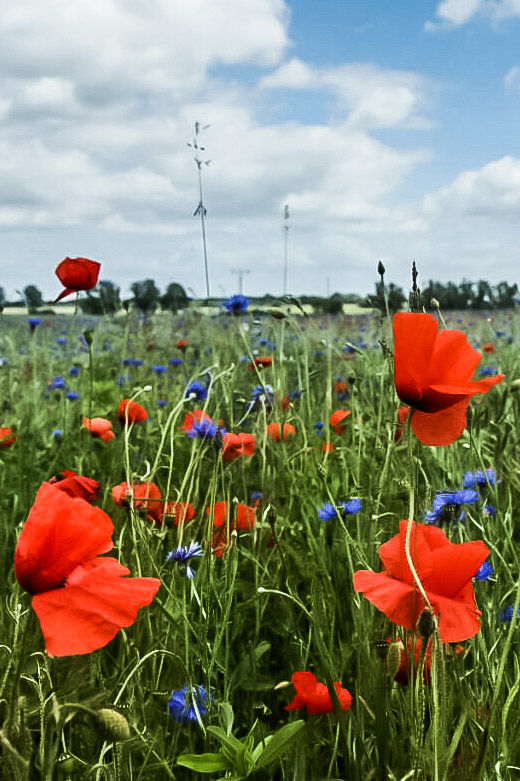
146	295
505	295
333	305
109	296
394	294
32	297
2	299
91	305
174	297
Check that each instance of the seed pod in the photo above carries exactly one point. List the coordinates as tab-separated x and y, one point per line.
113	724
393	659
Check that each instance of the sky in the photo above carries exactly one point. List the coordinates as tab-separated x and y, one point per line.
391	130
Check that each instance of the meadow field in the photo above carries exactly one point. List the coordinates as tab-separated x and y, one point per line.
185	502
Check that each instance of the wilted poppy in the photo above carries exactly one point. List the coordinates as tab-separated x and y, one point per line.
130	411
261	363
314	696
432	373
236	445
101	428
278	433
76	486
81	598
77	274
445	570
146	496
337	418
7	437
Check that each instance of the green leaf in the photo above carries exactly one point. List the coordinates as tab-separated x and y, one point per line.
225	712
279	742
232	743
204	763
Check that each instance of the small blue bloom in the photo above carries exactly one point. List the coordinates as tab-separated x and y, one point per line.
182	557
236	304
57	433
58	383
175	361
318	353
159	369
318	426
203	429
161	403
446	500
121	380
72	396
34	321
265	392
296	394
61	340
327	512
485	571
480	478
196	390
256	496
506	615
351	507
488	371
500	333
489	510
185	704
74	371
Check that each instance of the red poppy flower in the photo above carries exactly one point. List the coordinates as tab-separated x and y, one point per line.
236	445
335	420
278	433
286	402
402	414
182	512
100	428
261	363
77	274
182	344
327	447
432	373
340	388
130	411
194	417
245	517
445	570
147	496
81	598
7	437
76	486
314	696
489	348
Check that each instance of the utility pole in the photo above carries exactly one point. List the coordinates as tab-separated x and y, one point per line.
240	272
201	209
286	216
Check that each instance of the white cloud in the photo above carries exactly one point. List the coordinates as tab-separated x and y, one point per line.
454	13
512	78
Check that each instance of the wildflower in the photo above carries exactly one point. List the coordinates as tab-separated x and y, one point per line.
261	363
263	393
146	496
279	433
500	333
286	402
489	510
7	437
58	383
256	498
100	428
327	447
82	599
57	433
432	373
506	615
76	486
196	390
182	557
340	388
203	429
182	344
130	411
485	571
445	503
480	478
77	274
329	511
237	304
335	420
351	507
181	512
61	340
314	696
175	361
488	371
489	349
189	704
72	396
196	416
159	369
245	518
74	371
445	570
33	322
318	427
161	403
237	445
402	414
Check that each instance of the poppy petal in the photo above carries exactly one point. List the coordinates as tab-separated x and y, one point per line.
393	554
459	618
86	614
453	358
414	341
59	534
399	601
454	566
440	428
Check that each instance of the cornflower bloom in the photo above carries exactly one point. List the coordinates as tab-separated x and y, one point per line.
182	557
189	704
237	304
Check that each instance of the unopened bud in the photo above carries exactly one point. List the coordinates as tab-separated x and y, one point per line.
393	659
434	303
380	269
277	313
87	335
426	623
113	724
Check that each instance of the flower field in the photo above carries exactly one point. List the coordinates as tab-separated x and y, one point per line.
267	547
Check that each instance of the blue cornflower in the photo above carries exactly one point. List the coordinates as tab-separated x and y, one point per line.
506	615
348	349
57	433
489	510
203	429
256	496
161	403
159	369
188	704
3	361
175	361
328	511
500	333
34	321
296	394
480	478
132	362
58	383
72	396
263	391
182	557
485	571
73	371
446	500
318	427
236	304
488	371
121	380
351	507
61	340
196	390
318	353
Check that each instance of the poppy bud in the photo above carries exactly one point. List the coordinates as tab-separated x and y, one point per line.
426	623
277	313
380	269
87	335
113	724
393	660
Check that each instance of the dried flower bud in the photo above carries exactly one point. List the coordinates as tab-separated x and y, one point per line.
426	623
113	724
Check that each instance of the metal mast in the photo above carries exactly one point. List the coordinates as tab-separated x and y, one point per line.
240	272
285	247
201	209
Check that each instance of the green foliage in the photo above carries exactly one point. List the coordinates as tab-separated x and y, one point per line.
146	295
395	297
32	297
174	297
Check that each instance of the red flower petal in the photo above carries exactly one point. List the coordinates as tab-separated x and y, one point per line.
414	342
440	428
399	601
88	612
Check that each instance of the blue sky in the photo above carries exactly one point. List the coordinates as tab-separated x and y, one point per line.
392	130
